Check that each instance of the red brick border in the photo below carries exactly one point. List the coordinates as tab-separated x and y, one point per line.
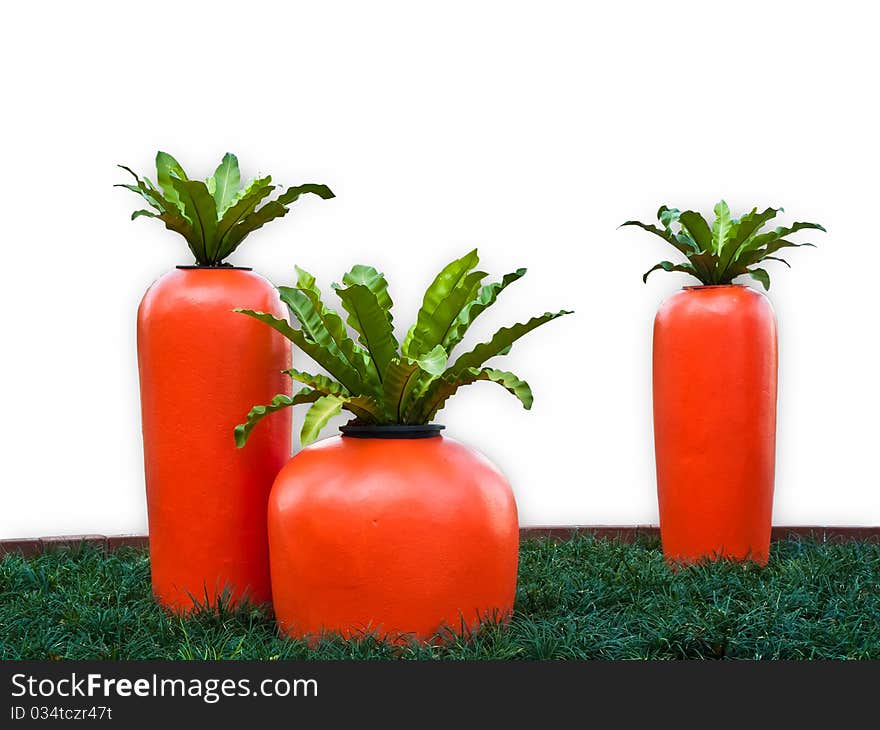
627	533
25	547
132	541
36	545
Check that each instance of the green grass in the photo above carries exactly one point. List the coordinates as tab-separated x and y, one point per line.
582	599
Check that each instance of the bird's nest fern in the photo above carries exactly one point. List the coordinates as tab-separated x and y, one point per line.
215	215
729	248
379	379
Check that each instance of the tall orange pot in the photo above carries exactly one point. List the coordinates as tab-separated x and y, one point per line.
202	366
402	536
715	365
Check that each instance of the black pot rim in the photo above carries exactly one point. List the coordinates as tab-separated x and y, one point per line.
714	286
222	267
391	431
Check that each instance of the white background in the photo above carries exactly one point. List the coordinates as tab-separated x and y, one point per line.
530	130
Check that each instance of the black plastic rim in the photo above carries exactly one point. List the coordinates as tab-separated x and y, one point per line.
712	286
392	431
222	267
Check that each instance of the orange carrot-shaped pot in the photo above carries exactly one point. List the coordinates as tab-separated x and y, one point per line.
715	422
715	364
200	365
390	527
399	536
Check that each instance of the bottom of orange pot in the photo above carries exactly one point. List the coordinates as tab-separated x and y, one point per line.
679	560
186	600
444	633
400	533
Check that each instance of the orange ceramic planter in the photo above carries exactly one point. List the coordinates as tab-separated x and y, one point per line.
398	536
715	363
202	367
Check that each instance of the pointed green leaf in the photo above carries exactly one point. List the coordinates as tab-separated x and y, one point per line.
747	226
199	208
324	325
399	378
367	317
320	412
279	402
325	328
754	256
751	223
374	281
780	232
227	180
683	244
432	330
407	380
276	323
136	189
722	227
782	243
332	364
293	193
139	213
668	216
153	197
269	212
450	277
130	171
177	223
444	388
669	266
735	269
697	228
650	227
776	258
239	210
444	299
251	186
169	213
500	343
706	267
320	383
434	362
485	299
168	169
366	409
761	276
688	245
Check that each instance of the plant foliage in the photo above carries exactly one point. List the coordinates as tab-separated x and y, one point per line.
373	375
216	215
729	248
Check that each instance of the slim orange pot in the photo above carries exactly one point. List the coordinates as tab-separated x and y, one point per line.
715	364
401	536
202	367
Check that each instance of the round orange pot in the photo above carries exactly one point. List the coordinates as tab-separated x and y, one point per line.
715	363
201	367
406	537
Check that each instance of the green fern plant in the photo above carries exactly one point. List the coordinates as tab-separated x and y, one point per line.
378	379
216	215
729	248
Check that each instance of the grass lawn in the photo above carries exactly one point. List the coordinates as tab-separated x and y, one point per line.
581	599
